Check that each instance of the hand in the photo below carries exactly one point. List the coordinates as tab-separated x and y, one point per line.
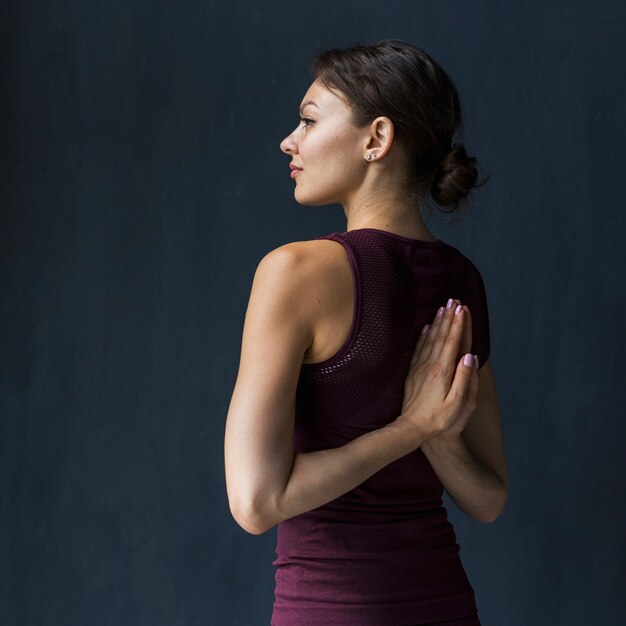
466	341
440	392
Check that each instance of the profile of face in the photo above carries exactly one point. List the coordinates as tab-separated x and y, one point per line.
328	148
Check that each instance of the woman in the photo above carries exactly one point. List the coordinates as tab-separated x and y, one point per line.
346	422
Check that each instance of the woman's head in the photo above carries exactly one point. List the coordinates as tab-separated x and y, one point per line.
328	148
392	100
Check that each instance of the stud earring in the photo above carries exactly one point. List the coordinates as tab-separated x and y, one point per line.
369	156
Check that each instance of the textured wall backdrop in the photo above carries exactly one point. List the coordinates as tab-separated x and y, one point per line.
142	182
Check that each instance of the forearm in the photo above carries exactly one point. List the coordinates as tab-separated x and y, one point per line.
323	475
475	488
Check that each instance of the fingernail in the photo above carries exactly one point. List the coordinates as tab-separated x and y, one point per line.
477	361
450	303
458	309
425	329
468	359
440	311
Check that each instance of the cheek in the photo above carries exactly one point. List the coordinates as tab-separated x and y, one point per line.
332	150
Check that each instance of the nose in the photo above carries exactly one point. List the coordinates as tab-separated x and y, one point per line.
288	145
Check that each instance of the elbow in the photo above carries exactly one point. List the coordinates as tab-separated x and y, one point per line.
250	519
495	511
254	509
251	525
489	519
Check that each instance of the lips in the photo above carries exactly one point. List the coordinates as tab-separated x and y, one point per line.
293	167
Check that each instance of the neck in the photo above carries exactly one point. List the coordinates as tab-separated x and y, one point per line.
397	217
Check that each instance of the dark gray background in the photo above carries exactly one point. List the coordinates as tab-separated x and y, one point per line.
142	182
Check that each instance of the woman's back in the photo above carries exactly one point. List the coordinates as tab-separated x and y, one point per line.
384	552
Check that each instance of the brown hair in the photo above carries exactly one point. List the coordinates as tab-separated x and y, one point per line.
395	79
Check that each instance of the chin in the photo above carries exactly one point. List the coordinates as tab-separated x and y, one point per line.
312	199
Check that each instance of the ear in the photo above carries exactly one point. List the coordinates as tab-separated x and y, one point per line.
380	136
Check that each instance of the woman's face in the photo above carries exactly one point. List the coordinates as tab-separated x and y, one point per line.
328	148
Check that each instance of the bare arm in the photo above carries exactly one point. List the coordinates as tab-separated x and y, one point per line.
258	442
472	465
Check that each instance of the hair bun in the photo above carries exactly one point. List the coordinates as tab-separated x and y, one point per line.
455	177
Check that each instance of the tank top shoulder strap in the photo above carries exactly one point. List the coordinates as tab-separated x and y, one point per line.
349	247
336	359
334	235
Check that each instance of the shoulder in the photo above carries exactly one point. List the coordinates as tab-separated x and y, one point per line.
297	275
464	268
301	263
302	254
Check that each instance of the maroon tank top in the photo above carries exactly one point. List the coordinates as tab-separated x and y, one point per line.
384	553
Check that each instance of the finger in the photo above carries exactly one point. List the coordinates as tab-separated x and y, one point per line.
466	343
438	331
421	340
462	383
473	387
428	341
467	340
452	341
470	400
443	328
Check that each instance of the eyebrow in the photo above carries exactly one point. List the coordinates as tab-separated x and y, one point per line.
305	103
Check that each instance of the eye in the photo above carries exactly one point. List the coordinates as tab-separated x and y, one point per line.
306	119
